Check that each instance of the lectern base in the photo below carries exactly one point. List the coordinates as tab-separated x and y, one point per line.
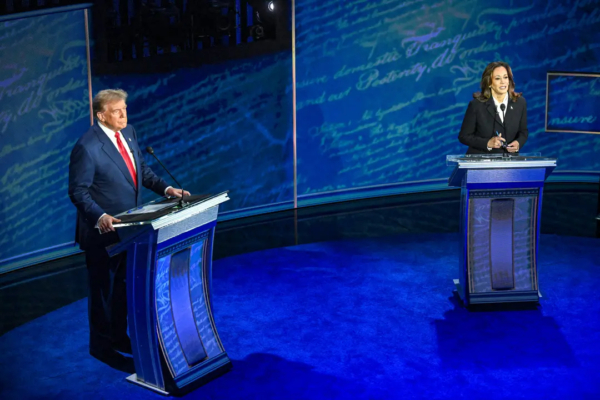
200	375
133	379
525	296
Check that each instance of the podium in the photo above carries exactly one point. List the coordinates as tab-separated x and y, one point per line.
176	347
501	204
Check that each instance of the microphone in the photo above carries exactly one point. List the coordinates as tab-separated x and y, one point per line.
150	151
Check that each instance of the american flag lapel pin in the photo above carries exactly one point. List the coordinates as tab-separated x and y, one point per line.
130	138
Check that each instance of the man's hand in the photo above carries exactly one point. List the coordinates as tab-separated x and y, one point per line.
172	192
105	224
513	147
496	142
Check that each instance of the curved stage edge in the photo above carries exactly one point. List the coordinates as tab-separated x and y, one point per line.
565	178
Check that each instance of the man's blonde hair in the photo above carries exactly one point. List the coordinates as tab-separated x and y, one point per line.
103	97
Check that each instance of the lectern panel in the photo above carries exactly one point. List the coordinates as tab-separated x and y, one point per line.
185	323
501	244
485	252
166	326
181	306
200	290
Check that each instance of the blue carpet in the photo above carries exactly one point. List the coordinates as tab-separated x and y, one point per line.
354	319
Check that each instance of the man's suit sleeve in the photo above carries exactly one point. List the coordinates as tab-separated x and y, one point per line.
523	132
81	178
467	134
149	179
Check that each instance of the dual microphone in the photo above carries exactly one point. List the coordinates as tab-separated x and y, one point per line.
150	151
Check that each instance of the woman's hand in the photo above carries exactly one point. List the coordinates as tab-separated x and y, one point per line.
513	147
496	142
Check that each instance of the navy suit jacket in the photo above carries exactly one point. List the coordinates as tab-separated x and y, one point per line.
481	123
99	182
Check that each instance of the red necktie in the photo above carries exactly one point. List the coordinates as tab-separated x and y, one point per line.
126	158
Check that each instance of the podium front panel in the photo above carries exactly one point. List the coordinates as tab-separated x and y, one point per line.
502	235
186	328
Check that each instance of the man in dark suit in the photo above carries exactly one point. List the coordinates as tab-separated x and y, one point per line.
497	108
106	172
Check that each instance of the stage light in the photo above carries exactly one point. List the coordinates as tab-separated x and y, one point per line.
212	21
224	20
262	5
257	32
264	19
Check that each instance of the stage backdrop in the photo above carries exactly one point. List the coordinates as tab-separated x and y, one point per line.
383	86
44	108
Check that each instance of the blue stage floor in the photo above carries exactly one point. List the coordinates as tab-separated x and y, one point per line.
354	319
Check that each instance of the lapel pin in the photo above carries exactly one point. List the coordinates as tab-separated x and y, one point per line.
130	138
510	108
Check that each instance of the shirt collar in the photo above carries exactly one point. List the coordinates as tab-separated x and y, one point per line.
109	132
505	101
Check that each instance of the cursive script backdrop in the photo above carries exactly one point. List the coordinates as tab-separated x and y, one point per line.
44	108
218	127
573	103
383	85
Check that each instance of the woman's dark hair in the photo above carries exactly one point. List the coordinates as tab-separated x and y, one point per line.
486	82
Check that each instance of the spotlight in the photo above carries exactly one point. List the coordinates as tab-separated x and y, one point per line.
262	6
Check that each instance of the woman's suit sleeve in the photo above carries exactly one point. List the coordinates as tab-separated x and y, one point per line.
469	126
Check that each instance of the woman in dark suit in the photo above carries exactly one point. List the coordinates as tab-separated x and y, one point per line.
496	119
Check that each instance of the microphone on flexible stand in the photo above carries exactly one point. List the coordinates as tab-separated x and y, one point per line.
150	151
